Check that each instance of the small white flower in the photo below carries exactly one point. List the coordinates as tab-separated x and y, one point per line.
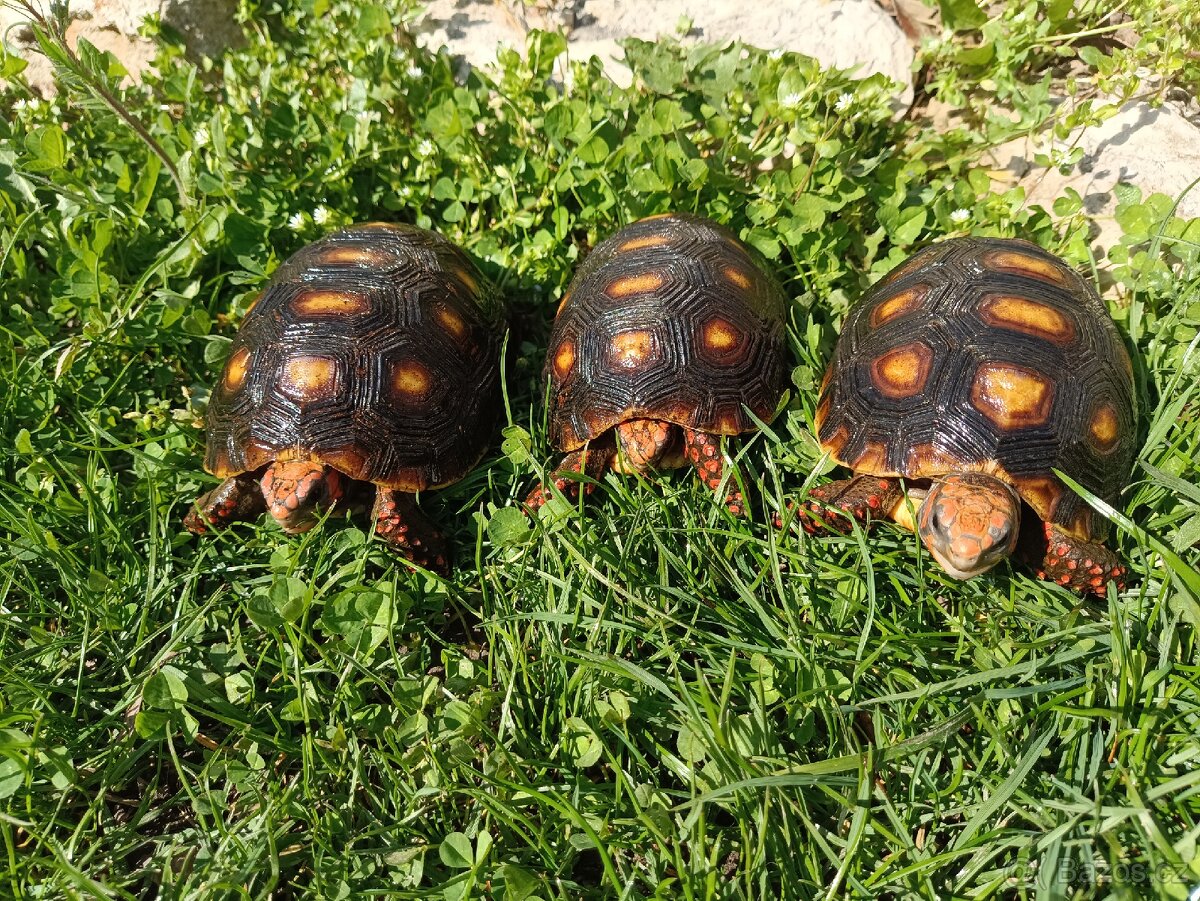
425	148
321	215
200	136
23	104
959	216
777	53
405	192
414	71
364	115
296	222
792	100
843	102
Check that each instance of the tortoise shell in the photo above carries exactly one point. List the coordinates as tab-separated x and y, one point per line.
985	355
671	318
374	350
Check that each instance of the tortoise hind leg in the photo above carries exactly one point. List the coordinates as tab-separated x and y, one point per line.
591	461
237	499
1080	565
703	451
408	531
865	498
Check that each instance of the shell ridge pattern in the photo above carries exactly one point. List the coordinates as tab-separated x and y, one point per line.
1027	374
374	350
669	318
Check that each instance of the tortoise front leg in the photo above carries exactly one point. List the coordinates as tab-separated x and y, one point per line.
592	460
238	499
408	531
704	452
1080	565
865	498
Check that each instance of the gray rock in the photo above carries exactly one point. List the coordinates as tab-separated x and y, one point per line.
1157	150
207	26
842	33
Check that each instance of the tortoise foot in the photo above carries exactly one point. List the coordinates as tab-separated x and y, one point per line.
591	462
703	451
409	532
238	499
831	507
1082	566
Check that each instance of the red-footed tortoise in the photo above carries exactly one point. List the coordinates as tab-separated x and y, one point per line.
669	332
972	371
370	364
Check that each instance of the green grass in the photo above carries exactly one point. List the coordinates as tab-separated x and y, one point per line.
641	698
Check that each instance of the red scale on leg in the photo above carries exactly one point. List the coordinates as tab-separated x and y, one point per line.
865	498
591	461
1081	565
405	529
238	499
704	451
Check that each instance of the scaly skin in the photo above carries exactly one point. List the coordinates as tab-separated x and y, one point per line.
703	451
296	491
592	461
865	498
645	445
1080	565
238	499
408	531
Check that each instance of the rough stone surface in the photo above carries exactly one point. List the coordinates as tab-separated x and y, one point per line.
841	33
207	26
1157	150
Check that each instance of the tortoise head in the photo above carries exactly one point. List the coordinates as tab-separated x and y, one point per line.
969	522
296	491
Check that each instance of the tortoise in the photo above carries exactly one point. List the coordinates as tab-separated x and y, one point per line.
670	335
972	371
368	366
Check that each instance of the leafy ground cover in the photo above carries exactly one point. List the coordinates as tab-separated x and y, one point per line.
646	699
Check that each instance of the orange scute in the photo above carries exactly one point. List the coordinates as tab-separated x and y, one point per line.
307	378
235	369
634	284
1027	264
1028	317
1012	397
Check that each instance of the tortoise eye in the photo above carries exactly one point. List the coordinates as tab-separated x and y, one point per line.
935	519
